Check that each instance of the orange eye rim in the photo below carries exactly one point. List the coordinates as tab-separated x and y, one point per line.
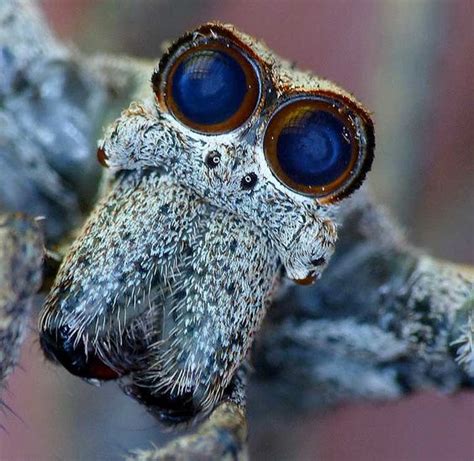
163	87
361	133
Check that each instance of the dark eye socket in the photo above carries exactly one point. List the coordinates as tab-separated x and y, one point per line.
313	147
212	88
213	159
248	181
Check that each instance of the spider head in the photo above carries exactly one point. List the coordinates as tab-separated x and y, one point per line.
249	133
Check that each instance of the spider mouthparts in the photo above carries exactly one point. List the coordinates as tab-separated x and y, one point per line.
169	408
59	348
309	280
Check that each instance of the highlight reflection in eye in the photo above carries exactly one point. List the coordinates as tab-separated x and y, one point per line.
212	88
314	149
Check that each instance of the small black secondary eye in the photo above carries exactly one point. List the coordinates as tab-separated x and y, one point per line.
318	261
248	181
212	88
213	159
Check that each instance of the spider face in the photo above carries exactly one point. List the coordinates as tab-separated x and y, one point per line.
227	173
303	133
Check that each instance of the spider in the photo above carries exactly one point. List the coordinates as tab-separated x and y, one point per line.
227	177
227	173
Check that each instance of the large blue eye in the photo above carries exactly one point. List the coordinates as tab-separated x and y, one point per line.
313	147
212	88
209	87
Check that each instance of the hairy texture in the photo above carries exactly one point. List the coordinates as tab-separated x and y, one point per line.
157	266
462	330
301	230
171	275
21	264
53	103
382	321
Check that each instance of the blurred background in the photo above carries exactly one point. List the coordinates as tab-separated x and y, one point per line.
411	62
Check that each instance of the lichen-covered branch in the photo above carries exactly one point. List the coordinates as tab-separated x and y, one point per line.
223	436
21	265
53	105
384	320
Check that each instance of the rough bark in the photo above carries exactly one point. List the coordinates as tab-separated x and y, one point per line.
21	258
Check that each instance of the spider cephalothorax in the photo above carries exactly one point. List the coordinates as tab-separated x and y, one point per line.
226	174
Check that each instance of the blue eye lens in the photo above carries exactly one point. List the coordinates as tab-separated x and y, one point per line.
212	88
313	148
209	87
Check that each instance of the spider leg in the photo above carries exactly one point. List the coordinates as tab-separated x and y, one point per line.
223	435
21	268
